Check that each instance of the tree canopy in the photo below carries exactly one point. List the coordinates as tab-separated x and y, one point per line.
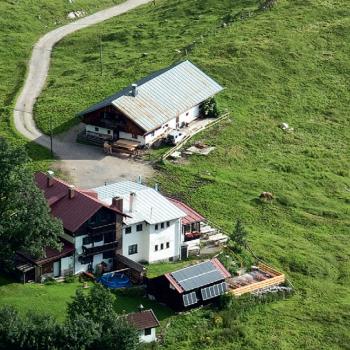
25	220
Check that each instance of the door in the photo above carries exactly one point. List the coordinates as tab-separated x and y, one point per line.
57	268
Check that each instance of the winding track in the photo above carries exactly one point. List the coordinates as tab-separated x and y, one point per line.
72	155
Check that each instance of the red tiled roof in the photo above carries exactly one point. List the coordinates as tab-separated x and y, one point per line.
75	211
143	319
51	254
191	215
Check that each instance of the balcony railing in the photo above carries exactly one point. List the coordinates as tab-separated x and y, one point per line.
99	249
98	230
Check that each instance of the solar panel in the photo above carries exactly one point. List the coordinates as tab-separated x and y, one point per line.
196	276
213	291
189	299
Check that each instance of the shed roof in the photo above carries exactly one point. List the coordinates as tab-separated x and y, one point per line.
143	319
162	95
149	205
73	212
198	275
191	217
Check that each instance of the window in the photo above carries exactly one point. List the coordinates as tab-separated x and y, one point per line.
128	229
162	225
162	246
86	260
168	244
187	114
108	255
148	331
156	227
139	227
156	247
108	132
86	240
97	129
132	249
167	223
134	136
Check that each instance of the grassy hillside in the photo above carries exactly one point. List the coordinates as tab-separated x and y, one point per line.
291	65
21	24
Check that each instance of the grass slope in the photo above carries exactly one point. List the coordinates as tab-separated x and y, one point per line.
53	299
291	65
21	25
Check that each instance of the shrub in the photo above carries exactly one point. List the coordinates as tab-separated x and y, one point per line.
209	109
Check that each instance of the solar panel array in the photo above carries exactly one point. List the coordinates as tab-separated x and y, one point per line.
196	276
213	291
189	299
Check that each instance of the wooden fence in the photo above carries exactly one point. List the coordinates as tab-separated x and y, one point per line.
178	146
278	278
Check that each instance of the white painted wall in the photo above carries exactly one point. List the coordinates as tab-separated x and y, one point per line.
102	131
66	264
128	136
190	115
141	238
148	338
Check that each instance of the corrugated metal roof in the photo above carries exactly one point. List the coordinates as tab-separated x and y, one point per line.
149	205
191	217
163	95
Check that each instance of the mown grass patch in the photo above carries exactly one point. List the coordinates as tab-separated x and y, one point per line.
290	64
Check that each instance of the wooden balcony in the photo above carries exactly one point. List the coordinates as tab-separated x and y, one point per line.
100	249
101	229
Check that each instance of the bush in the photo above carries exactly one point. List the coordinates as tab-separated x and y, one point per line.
209	109
70	278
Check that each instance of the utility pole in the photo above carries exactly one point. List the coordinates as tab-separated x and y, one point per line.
50	121
101	63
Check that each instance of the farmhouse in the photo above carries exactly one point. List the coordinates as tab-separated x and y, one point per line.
152	228
191	286
150	108
146	322
92	231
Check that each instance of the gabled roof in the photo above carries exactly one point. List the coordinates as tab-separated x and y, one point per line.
143	319
162	95
191	215
73	212
198	275
50	253
149	205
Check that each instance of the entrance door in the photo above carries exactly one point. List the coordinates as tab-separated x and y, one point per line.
57	268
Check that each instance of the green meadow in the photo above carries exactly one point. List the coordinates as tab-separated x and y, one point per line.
290	64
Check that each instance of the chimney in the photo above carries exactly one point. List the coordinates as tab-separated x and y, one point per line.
139	179
131	201
141	308
71	191
49	178
156	187
134	90
117	202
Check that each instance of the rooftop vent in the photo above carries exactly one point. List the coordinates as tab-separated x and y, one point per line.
131	201
71	191
134	90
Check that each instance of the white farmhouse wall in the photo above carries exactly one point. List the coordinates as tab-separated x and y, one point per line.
66	264
148	338
190	115
128	136
161	236
102	131
141	238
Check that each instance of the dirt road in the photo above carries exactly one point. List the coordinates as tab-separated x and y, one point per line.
87	166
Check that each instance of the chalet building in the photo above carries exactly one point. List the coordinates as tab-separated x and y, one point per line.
152	107
152	229
146	322
191	286
92	230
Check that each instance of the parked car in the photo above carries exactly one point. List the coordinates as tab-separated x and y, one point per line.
175	136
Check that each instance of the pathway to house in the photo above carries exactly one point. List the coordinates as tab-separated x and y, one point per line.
86	166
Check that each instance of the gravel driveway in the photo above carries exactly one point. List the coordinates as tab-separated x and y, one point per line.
86	166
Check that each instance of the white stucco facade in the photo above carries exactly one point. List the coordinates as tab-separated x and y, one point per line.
149	337
93	129
153	244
